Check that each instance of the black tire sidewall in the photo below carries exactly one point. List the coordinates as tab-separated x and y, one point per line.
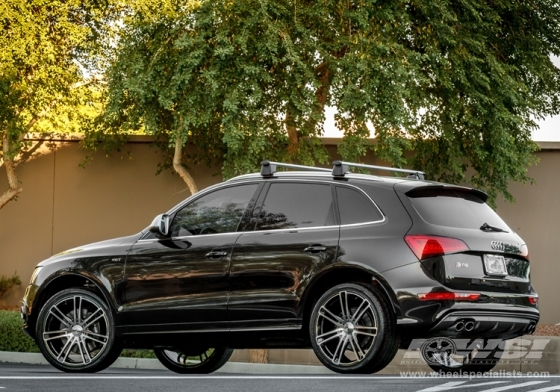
109	355
365	365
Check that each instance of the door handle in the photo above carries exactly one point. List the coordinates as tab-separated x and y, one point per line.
315	249
216	254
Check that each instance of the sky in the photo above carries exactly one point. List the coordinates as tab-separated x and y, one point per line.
549	128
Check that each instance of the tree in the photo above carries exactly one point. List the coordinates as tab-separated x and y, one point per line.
46	46
460	83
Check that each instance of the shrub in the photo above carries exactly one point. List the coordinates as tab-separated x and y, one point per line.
6	283
13	337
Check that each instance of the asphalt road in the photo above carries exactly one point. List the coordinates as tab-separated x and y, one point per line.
38	378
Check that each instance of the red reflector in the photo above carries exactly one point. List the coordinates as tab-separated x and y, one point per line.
534	300
426	246
446	296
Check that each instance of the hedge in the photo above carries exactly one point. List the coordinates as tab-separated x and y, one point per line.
12	337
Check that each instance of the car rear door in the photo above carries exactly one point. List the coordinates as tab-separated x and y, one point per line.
295	234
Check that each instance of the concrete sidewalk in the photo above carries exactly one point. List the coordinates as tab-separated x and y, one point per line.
527	354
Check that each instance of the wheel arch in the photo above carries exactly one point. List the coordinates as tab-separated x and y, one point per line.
346	273
66	280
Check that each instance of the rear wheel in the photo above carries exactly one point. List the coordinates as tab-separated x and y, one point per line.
352	330
75	332
193	361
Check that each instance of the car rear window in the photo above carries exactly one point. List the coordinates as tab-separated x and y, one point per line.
454	209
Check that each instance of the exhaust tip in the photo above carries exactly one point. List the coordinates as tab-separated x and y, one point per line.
469	326
459	326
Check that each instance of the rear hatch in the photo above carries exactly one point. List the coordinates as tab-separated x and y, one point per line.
462	242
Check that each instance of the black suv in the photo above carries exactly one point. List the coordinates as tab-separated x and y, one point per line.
354	266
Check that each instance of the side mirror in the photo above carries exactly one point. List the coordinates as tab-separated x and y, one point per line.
160	225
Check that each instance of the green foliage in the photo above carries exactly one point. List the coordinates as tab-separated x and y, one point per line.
138	354
460	83
13	337
7	283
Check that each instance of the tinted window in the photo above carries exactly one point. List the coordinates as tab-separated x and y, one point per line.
290	205
355	207
454	209
217	212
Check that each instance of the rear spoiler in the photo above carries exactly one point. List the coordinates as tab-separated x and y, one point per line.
428	189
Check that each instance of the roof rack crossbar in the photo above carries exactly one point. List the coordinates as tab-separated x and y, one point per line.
268	168
340	168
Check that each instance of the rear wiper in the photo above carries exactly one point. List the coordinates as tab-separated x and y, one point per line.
487	227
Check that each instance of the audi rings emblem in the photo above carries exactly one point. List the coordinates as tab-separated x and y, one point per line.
497	245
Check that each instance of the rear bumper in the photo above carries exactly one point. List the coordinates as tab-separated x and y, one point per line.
486	324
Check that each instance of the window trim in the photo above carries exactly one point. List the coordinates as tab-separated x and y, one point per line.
368	197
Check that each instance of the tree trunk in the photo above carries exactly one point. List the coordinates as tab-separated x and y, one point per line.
258	356
13	181
180	169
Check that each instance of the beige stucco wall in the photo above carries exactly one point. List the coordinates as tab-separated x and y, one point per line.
64	205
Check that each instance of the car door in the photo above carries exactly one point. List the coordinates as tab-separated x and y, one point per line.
295	234
181	282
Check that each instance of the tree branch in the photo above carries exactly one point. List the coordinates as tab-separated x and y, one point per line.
13	181
180	169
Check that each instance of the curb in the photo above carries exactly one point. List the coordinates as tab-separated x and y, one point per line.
523	355
154	364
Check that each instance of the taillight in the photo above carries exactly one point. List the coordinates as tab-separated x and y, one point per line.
524	250
447	296
534	300
426	246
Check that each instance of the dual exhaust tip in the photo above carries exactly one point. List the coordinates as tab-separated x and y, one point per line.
464	325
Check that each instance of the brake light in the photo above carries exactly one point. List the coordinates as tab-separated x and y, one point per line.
446	296
426	246
534	300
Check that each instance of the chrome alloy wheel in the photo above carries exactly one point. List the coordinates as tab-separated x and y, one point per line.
76	330
441	351
346	328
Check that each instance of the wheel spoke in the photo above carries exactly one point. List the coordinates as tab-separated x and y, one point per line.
354	348
89	333
66	350
343	297
362	313
88	321
339	351
61	335
329	333
79	315
61	316
332	317
355	339
95	340
353	318
326	340
365	333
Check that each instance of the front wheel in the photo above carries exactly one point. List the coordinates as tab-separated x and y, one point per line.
193	361
75	332
352	330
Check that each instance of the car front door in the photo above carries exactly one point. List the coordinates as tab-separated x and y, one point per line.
181	283
295	235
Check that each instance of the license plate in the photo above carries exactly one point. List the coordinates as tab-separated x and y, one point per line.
495	265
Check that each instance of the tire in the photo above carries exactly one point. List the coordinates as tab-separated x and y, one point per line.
193	361
441	356
352	330
75	332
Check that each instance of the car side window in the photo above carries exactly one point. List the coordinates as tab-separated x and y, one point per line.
295	205
355	207
217	212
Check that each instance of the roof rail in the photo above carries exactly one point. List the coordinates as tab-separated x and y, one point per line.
340	168
268	168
